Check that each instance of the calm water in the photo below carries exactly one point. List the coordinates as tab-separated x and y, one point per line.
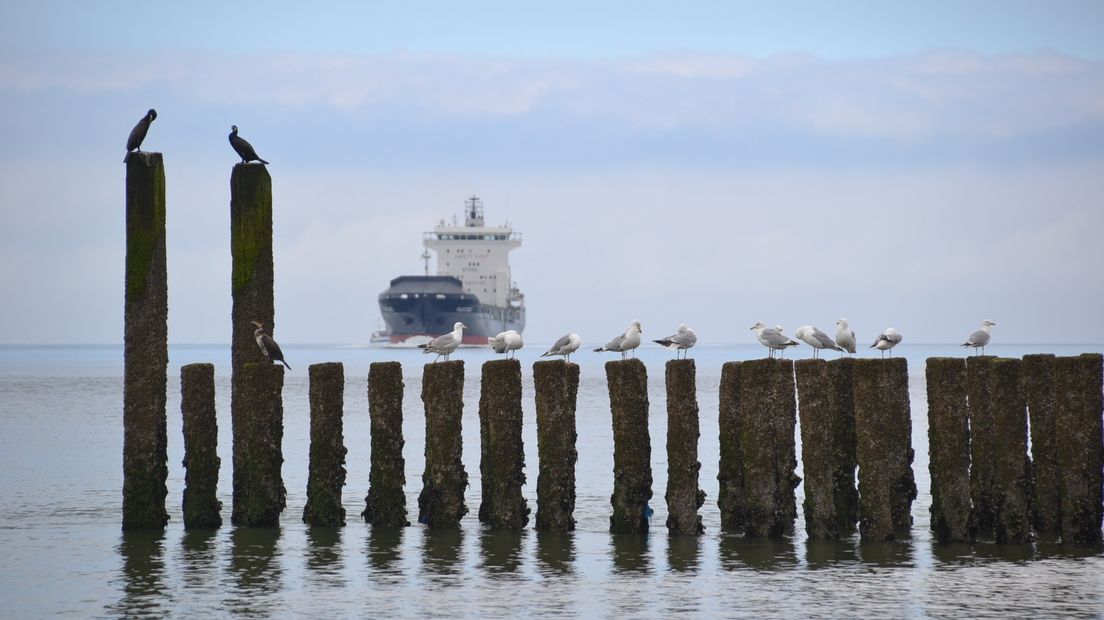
63	553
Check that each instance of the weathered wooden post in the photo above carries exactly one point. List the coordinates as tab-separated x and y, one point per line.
502	454
1078	384
683	496
145	346
556	384
1039	390
845	493
827	447
883	434
441	502
949	449
326	471
201	460
260	495
999	466
768	417
632	446
730	472
385	505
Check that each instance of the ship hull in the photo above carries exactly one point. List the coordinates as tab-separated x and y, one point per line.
419	308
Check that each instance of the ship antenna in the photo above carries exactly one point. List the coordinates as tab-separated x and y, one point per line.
426	257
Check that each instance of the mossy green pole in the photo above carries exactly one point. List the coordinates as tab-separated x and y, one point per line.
1078	385
252	297
326	470
683	496
845	493
145	346
815	394
768	420
556	384
731	498
949	449
883	434
632	446
441	502
201	461
385	505
502	454
1046	504
260	497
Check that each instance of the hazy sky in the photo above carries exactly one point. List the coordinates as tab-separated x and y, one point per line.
922	165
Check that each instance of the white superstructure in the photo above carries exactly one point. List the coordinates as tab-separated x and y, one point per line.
477	255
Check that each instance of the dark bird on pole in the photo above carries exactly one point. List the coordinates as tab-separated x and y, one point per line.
243	148
134	142
268	346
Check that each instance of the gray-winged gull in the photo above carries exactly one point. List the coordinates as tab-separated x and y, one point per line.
845	336
980	338
625	342
816	339
772	338
886	341
506	342
683	339
443	345
565	346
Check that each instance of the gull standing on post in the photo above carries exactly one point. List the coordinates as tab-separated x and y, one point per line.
845	336
886	341
134	141
625	342
268	346
816	339
683	339
980	338
443	345
506	341
772	338
565	346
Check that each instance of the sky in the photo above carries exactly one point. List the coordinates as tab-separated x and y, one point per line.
921	165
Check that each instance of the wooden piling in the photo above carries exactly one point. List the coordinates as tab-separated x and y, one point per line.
883	434
632	447
259	495
385	504
683	496
826	448
949	449
441	502
326	470
1078	429
502	453
201	461
768	417
845	493
1039	390
556	384
731	498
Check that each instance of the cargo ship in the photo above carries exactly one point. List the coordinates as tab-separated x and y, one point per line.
473	284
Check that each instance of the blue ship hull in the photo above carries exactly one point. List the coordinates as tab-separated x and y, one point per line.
428	306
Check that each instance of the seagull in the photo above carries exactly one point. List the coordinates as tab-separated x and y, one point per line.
682	340
506	341
773	339
816	339
243	148
268	346
134	142
845	336
886	341
980	338
443	345
625	342
565	346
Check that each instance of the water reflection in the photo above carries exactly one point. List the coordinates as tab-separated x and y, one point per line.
324	555
143	555
683	553
199	553
630	553
383	549
500	550
441	551
889	554
556	552
255	568
826	553
760	554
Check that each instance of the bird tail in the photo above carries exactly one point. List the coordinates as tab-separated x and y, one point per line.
285	364
663	342
599	349
262	161
127	158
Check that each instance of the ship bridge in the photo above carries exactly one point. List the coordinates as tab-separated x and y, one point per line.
476	254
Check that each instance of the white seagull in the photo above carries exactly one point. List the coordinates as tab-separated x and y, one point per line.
625	342
980	338
773	339
845	336
506	341
816	339
683	339
565	346
886	341
443	345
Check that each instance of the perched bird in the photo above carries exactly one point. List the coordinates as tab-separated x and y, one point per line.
772	338
443	345
845	336
243	148
980	338
506	341
565	346
268	346
683	339
886	341
134	142
816	339
625	342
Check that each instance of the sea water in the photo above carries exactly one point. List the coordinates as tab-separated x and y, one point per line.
62	552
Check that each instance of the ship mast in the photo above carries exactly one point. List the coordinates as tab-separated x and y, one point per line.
425	258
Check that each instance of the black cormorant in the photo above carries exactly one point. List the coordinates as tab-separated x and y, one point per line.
268	346
243	148
134	142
